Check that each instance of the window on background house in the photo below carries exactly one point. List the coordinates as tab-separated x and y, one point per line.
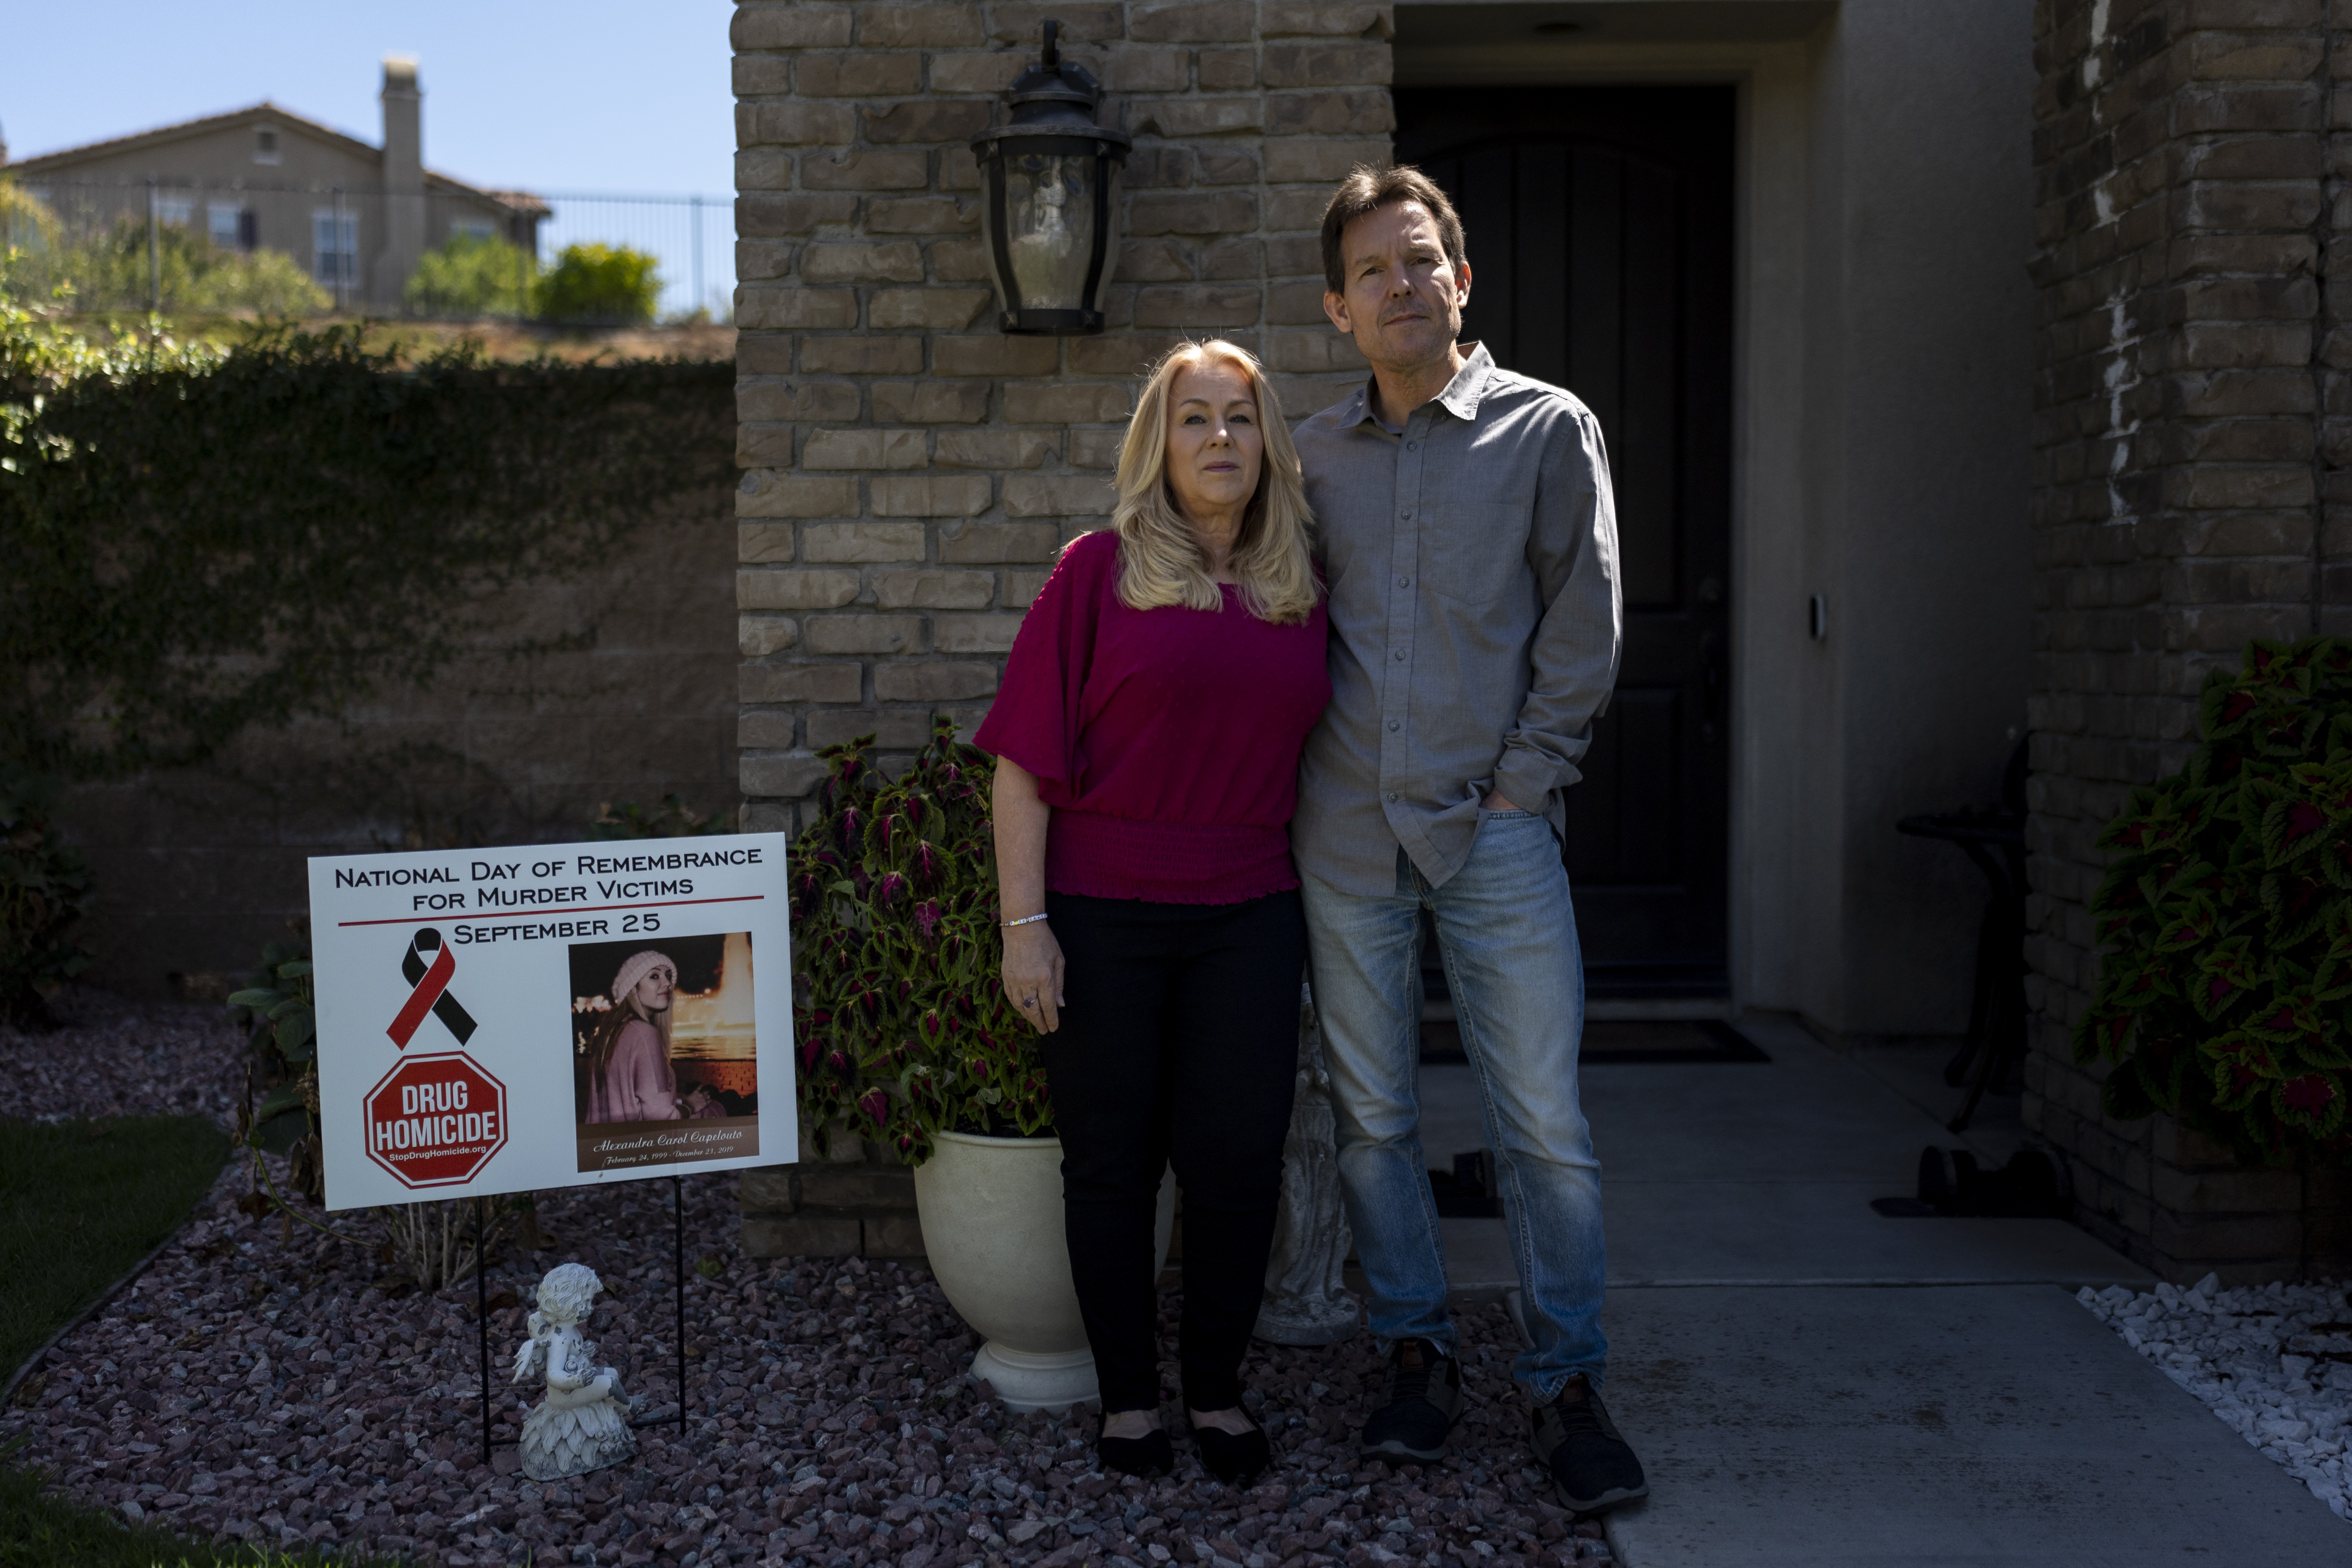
470	229
224	221
264	145
175	210
335	240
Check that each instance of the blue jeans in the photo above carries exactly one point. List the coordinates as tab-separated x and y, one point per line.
1507	932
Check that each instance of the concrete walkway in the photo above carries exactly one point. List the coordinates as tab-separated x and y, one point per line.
1812	1383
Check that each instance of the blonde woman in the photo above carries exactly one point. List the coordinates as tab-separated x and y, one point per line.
627	1075
1147	738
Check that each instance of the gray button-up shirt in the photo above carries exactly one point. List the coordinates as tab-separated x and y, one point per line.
1475	618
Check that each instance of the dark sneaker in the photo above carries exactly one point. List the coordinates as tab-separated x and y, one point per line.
1422	1401
1591	1463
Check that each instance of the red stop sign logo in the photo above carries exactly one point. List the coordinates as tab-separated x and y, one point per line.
433	1121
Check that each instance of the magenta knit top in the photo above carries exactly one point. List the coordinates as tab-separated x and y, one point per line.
1165	740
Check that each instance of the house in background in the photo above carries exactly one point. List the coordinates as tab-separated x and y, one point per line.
356	216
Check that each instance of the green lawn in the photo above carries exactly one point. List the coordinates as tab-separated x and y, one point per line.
81	1202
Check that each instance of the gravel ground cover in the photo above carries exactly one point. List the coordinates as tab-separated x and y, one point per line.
2274	1362
260	1382
115	1058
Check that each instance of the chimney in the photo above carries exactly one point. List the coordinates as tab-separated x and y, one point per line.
404	126
400	221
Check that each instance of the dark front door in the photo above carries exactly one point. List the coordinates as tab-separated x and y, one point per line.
1599	241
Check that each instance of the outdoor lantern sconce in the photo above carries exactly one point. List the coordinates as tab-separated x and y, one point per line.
1049	194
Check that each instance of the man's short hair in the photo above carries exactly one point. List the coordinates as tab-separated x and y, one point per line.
1368	188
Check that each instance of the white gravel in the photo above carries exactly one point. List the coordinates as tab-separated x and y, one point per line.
2274	1362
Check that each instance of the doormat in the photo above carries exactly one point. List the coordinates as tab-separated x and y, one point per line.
1616	1043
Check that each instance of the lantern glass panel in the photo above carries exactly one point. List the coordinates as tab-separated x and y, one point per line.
1049	212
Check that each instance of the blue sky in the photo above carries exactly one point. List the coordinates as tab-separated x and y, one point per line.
587	95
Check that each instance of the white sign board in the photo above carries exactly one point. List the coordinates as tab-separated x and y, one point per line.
502	1020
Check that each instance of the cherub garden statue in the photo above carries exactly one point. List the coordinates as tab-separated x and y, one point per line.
585	1424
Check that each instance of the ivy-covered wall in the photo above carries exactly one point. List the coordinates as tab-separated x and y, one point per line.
197	867
305	596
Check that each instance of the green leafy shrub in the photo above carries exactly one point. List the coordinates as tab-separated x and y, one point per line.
279	1012
44	882
902	1022
25	221
31	245
2226	919
187	273
601	285
472	274
267	283
200	540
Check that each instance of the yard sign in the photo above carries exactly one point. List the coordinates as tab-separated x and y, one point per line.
502	1020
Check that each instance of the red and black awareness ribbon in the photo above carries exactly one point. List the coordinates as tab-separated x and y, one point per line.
432	993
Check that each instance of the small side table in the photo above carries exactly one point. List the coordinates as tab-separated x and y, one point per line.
1995	842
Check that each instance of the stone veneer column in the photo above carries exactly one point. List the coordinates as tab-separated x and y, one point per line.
2190	204
910	472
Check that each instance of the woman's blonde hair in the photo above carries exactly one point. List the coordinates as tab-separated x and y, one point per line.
1161	561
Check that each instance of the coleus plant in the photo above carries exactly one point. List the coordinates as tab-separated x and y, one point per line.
902	1024
2225	918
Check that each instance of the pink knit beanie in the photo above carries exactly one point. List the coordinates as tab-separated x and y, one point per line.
639	965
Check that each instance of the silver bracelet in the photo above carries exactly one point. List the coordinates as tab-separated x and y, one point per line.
1024	920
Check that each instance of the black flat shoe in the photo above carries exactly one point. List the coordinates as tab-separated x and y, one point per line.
1150	1455
1234	1458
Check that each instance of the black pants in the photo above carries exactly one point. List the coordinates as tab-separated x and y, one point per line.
1179	1044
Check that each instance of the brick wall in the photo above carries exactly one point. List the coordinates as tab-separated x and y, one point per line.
910	472
859	1203
2190	494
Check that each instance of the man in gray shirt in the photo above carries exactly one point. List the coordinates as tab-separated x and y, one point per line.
1471	550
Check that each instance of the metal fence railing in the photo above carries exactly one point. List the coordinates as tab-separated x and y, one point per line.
309	249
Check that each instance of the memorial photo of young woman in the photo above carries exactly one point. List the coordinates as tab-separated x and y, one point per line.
624	1068
664	1051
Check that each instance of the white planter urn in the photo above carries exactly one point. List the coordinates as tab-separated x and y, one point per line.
991	1217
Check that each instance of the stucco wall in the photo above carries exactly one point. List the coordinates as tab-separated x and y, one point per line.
1922	334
